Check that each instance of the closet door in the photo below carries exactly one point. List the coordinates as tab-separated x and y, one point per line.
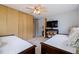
15	22
25	28
3	14
20	25
12	21
30	26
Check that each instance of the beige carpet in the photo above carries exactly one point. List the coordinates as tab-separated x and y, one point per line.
36	41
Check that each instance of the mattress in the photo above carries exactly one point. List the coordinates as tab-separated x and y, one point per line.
60	41
13	45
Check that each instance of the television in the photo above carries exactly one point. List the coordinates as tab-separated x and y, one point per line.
52	24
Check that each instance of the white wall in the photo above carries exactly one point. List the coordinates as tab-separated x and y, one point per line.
66	20
41	26
38	27
78	16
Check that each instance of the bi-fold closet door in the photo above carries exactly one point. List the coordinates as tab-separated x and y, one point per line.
16	22
26	26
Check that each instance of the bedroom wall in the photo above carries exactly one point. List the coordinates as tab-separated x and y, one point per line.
16	22
78	16
66	21
38	27
41	24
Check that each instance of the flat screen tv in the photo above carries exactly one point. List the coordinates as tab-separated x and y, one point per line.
52	24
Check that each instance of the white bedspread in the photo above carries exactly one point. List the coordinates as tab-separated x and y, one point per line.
60	41
13	45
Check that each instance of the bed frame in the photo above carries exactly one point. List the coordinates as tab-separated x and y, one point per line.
30	50
47	49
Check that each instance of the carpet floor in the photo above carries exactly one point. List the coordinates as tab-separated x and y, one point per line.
36	41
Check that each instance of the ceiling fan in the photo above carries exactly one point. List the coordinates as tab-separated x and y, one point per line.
36	9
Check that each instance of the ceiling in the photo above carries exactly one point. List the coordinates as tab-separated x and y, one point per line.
52	9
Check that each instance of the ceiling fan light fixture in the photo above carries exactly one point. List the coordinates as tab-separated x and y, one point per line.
37	9
36	12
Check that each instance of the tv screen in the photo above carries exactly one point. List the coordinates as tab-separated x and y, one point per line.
52	24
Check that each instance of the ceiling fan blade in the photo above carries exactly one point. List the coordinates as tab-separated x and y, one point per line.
30	12
43	10
28	8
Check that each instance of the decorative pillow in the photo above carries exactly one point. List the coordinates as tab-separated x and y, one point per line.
74	37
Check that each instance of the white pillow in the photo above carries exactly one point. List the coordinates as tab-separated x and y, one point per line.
73	30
